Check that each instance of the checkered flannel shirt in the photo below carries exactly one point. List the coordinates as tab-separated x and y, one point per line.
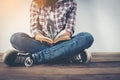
64	17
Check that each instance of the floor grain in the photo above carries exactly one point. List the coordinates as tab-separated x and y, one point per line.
99	69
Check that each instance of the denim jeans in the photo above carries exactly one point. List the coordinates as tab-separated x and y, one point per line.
43	52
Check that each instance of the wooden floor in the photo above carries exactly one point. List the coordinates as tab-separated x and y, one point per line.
104	66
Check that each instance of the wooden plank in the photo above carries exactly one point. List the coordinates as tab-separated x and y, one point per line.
105	56
64	70
97	70
92	71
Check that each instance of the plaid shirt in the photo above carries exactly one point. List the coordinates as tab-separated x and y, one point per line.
64	17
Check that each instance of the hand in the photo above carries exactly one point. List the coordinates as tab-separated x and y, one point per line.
67	34
63	35
42	39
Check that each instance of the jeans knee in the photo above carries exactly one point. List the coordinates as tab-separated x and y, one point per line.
89	39
88	36
15	37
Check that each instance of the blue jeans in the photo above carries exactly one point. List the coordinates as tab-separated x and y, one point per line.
43	52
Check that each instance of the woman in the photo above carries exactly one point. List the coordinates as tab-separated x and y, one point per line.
52	26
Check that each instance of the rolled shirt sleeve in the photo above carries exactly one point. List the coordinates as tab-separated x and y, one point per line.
35	27
71	18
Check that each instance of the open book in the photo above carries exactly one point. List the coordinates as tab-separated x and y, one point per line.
58	38
54	38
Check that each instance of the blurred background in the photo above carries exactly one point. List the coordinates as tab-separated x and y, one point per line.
99	17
